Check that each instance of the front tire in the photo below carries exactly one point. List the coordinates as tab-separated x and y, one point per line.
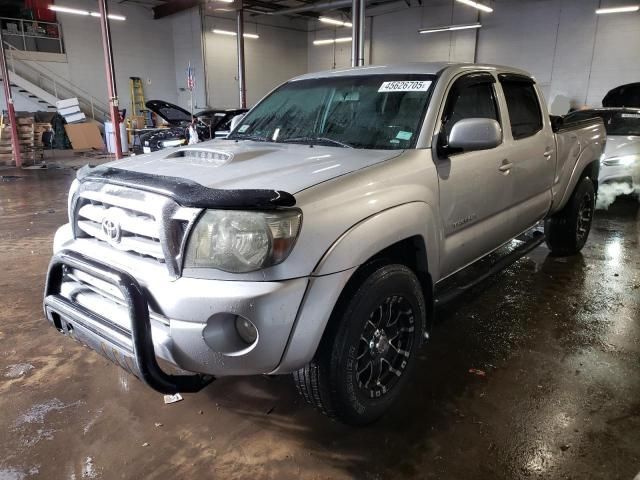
369	347
566	232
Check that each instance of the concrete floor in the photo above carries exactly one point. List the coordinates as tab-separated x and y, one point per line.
559	340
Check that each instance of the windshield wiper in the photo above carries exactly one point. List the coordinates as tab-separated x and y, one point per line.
316	140
248	136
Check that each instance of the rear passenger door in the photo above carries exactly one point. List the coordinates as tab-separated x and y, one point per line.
475	190
530	150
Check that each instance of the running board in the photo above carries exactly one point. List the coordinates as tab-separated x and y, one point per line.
444	295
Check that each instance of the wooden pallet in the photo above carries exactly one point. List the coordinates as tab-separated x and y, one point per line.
29	138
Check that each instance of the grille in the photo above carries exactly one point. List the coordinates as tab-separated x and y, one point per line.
122	228
133	221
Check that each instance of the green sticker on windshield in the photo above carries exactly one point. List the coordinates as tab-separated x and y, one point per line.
243	128
402	135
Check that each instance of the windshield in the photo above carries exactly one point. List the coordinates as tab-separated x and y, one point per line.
372	112
616	122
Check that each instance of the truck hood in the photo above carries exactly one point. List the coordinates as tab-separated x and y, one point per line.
621	145
228	164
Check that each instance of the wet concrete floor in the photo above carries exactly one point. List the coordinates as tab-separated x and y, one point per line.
558	341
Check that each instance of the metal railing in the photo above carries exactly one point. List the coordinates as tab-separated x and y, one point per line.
32	35
56	85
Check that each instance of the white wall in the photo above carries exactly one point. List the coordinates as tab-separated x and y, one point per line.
396	37
556	40
335	55
393	37
279	54
142	47
187	47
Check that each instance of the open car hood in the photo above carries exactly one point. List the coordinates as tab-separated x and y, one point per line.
170	113
623	96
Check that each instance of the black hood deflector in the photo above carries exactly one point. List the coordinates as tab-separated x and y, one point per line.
186	192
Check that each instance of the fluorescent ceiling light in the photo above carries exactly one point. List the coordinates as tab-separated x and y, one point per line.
329	41
226	1
58	8
333	21
111	16
233	34
450	28
627	9
479	6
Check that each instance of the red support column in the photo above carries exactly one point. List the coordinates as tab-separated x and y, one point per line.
6	82
111	78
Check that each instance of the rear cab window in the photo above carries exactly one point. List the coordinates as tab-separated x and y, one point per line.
523	105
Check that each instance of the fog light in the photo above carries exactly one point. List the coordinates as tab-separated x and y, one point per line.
246	330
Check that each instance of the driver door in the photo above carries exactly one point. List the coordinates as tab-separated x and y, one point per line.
476	187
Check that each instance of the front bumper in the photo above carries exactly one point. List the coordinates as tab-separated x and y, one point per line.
629	175
132	348
191	319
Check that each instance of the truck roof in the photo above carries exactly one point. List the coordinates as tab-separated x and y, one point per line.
428	68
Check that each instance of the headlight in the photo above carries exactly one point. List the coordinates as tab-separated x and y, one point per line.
623	161
239	241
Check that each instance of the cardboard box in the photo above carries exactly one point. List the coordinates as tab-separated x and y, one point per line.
84	136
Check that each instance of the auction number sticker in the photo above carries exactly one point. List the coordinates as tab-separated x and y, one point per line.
405	86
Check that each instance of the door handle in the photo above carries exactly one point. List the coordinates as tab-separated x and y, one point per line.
547	153
506	166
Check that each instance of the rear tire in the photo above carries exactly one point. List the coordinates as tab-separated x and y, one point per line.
369	348
566	232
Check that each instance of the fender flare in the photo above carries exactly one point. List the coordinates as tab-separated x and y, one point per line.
379	231
577	172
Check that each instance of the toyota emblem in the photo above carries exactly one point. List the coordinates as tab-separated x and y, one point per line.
111	230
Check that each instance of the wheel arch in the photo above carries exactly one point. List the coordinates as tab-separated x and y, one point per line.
408	238
583	168
412	223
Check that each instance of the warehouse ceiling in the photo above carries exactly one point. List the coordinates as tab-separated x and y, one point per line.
163	8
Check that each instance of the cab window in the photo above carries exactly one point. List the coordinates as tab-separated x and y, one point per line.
523	106
471	96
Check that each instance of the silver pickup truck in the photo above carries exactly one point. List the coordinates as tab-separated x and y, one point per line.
310	240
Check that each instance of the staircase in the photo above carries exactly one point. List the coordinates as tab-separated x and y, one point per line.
43	86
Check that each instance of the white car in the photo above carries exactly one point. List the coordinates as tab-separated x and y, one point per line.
620	163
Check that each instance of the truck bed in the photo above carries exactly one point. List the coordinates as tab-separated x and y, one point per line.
577	144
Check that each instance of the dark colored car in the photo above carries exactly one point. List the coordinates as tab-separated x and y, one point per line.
623	96
211	123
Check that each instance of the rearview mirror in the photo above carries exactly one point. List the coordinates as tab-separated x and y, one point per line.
235	121
475	134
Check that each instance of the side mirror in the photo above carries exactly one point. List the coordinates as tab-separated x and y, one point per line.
475	134
235	121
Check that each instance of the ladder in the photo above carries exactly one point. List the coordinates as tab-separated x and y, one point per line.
138	107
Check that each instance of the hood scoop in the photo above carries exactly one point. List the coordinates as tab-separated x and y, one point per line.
199	156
